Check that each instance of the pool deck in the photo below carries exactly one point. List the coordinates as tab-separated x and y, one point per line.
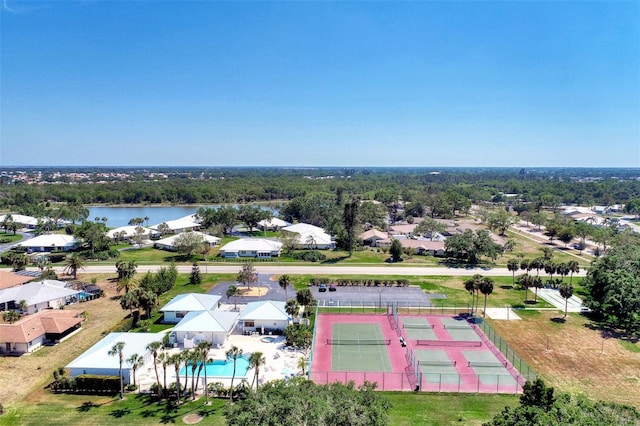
280	363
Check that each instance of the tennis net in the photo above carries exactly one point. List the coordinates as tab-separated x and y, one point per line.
450	343
495	363
458	326
358	341
434	362
419	326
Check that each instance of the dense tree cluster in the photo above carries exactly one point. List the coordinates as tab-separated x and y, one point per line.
613	283
302	402
541	406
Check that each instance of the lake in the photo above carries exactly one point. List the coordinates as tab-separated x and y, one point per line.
120	216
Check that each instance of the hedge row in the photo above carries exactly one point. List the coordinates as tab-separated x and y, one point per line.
87	383
352	282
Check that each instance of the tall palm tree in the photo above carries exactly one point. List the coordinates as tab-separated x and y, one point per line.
194	359
573	268
163	359
204	348
117	350
256	360
234	353
486	288
513	265
284	281
135	361
146	219
234	292
72	264
525	281
562	270
470	286
566	291
176	361
154	347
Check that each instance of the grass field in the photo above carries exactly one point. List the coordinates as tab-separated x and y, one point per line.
407	409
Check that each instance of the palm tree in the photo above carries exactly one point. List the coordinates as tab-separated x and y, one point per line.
163	359
284	281
256	360
194	359
573	267
176	361
127	284
234	292
117	349
566	291
204	348
562	269
73	263
513	265
537	264
469	285
525	281
310	242
135	361
146	219
154	347
486	288
292	308
234	353
41	262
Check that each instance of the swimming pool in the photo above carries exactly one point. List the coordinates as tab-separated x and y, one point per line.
268	339
222	368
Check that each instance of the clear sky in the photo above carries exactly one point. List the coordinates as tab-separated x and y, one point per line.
204	83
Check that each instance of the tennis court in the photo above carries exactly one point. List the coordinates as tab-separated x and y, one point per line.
417	328
359	347
489	369
460	329
437	367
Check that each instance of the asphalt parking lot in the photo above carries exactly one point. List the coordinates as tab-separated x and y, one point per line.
343	296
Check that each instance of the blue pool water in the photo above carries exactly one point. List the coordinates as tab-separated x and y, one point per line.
221	368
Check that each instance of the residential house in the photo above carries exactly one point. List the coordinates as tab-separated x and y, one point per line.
310	236
49	243
47	294
273	224
375	238
251	247
182	304
169	242
424	246
264	317
204	326
127	232
187	223
32	331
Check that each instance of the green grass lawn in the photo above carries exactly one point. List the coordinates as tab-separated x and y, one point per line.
407	409
8	237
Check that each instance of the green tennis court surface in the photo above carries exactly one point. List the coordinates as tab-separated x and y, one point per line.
417	328
489	369
437	367
348	355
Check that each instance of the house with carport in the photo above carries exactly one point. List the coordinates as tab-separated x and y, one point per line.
184	224
375	238
264	317
39	295
43	328
96	360
181	305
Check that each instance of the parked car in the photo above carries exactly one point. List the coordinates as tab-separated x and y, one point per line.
333	287
323	287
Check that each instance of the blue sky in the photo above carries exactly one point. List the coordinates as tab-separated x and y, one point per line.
443	83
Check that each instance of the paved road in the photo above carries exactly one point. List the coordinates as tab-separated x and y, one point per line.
320	270
25	236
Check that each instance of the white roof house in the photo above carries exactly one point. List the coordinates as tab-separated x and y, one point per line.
265	316
187	223
169	242
205	326
27	221
251	247
50	242
37	296
129	231
182	304
310	236
96	360
273	223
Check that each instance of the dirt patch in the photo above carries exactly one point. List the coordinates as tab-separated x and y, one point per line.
573	357
253	291
192	418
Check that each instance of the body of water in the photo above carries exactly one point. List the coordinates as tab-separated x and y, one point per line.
120	216
222	368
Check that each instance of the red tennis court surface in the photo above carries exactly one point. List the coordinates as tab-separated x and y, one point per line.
457	357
